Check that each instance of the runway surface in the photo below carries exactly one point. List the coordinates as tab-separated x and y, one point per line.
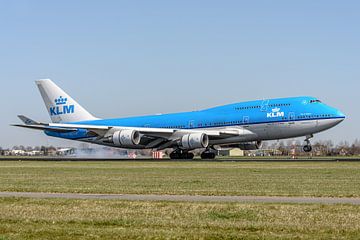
185	198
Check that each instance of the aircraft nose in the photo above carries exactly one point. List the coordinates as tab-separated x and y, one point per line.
341	115
338	120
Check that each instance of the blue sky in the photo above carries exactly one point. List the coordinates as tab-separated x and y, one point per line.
124	58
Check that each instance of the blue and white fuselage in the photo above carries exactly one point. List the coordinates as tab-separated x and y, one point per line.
242	125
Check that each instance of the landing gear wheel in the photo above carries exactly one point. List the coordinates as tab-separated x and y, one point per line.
208	155
180	154
174	155
189	155
307	148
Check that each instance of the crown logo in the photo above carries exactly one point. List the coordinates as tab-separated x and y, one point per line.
60	101
275	109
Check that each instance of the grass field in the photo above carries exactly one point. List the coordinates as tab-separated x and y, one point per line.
22	218
333	179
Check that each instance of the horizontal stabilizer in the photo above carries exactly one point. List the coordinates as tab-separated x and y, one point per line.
43	127
28	121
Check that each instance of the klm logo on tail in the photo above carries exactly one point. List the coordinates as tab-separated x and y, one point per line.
61	107
275	113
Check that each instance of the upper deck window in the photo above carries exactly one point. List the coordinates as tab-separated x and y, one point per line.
279	105
246	107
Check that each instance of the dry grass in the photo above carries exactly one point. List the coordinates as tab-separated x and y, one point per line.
22	218
335	179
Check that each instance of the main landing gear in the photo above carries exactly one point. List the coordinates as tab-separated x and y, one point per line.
208	154
181	154
307	147
184	154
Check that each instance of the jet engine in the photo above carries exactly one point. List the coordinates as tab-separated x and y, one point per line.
126	137
195	140
249	146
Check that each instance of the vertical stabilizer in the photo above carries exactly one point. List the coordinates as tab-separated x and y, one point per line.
61	107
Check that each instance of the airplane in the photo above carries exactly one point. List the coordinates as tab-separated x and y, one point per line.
242	125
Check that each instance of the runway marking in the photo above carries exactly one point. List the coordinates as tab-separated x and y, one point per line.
185	198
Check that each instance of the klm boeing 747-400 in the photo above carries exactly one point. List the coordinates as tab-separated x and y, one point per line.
241	125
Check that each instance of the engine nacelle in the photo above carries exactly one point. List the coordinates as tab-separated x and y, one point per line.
249	146
126	137
195	140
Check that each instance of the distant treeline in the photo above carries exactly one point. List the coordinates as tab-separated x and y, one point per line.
320	148
31	148
283	147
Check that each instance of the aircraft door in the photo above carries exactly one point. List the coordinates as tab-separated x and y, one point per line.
292	116
191	124
264	105
246	120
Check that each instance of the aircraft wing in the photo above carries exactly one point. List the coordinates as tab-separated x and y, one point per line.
100	131
155	132
156	137
158	132
103	130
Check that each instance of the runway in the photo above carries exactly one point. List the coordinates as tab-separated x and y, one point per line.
186	198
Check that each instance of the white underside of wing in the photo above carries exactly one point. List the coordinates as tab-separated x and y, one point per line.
160	132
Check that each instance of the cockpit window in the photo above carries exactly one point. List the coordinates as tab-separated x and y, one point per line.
315	101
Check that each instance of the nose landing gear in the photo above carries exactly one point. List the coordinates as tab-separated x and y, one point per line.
307	147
